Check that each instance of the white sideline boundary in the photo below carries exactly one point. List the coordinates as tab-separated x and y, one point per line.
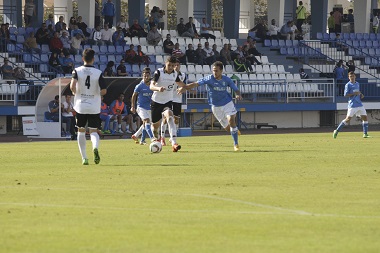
279	210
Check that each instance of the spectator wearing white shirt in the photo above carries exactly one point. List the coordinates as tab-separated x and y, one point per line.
66	42
209	54
205	28
273	30
124	25
50	21
76	44
106	35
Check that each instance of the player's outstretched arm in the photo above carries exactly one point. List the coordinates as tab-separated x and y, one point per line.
189	86
133	102
154	86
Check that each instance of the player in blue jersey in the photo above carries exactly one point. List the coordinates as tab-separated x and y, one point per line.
220	99
355	105
143	94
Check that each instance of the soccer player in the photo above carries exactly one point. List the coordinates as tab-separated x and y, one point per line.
143	94
162	86
177	104
87	85
355	105
220	99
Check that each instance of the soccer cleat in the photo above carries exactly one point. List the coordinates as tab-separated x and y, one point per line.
366	136
335	134
142	143
128	132
135	138
96	156
176	147
236	148
163	143
84	161
120	131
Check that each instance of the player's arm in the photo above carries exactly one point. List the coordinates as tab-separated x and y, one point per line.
189	86
236	90
103	85
73	83
154	85
133	102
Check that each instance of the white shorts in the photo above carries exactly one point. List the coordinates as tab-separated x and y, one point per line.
358	111
222	112
144	113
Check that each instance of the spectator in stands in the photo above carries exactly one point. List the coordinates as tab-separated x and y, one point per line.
67	63
108	71
141	57
225	55
375	22
217	54
303	74
161	23
66	42
76	42
55	63
253	49
51	31
124	26
30	44
118	37
42	35
339	74
131	55
72	23
106	35
50	21
286	31
59	24
75	31
205	30
54	107
260	29
191	28
339	44
243	58
250	53
82	26
301	15
209	54
338	21
119	110
98	13
7	70
108	13
331	23
64	29
20	76
149	22
240	64
56	45
182	29
350	19
191	54
29	12
68	113
177	53
168	45
96	37
137	30
274	30
121	69
351	66
200	55
154	37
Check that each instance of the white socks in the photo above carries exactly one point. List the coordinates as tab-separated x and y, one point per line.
94	136
172	130
82	144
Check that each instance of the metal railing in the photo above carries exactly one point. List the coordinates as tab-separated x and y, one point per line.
20	91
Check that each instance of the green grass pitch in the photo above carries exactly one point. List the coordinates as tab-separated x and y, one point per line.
282	193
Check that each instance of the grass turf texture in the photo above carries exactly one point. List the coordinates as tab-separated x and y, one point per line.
282	193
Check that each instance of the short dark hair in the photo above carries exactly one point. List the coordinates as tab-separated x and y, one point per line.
218	64
146	70
56	97
88	54
351	73
171	59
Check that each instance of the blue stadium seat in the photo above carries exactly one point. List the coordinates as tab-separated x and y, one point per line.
362	44
111	49
366	36
290	51
28	30
359	36
36	58
368	43
119	57
281	43
274	44
45	48
332	36
372	36
283	51
377	51
103	58
375	44
103	50
96	49
353	36
288	43
44	57
319	36
355	43
326	36
120	49
27	58
267	43
345	36
21	31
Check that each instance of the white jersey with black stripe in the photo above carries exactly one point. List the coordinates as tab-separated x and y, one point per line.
87	99
166	80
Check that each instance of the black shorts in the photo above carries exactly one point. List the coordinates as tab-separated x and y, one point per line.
91	120
158	109
177	108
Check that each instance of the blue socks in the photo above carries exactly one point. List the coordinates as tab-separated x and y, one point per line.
234	134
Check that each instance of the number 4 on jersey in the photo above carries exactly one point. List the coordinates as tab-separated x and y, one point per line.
87	83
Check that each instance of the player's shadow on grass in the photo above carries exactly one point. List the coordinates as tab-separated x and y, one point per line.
247	151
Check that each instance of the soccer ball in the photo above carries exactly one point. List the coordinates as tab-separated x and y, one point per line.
155	147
